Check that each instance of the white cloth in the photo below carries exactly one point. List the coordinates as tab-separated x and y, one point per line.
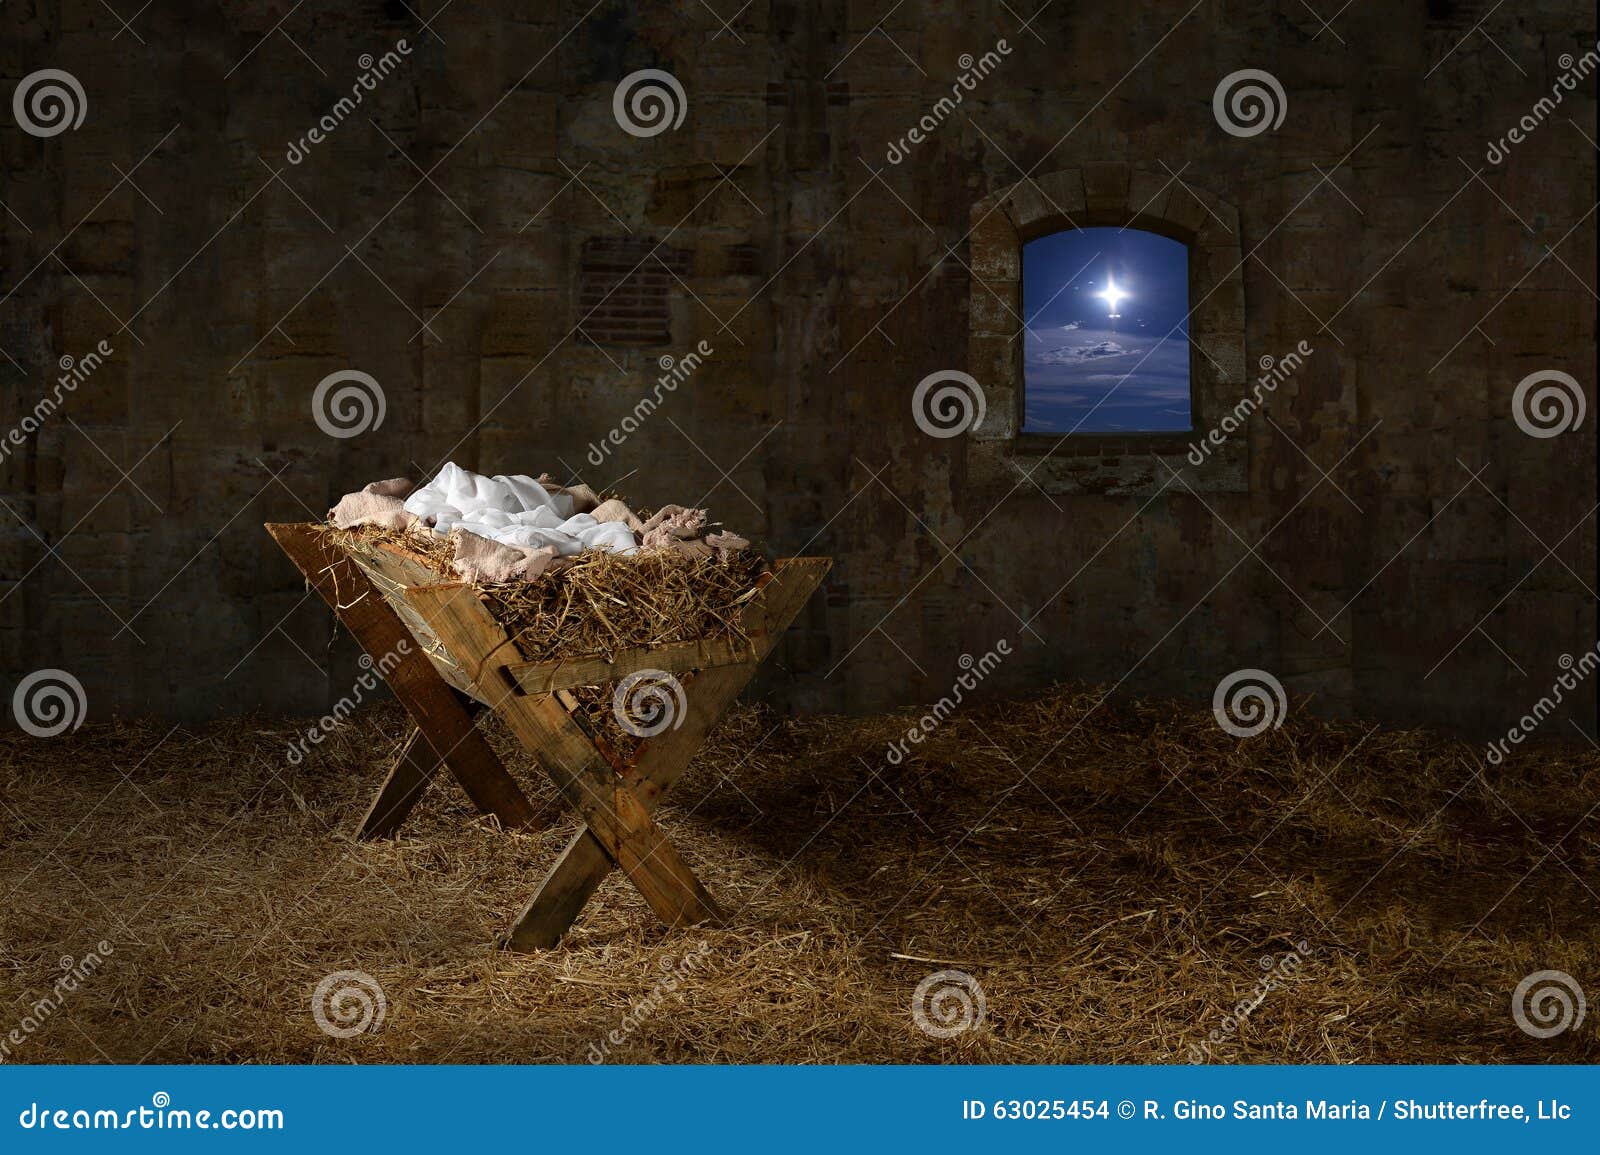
515	511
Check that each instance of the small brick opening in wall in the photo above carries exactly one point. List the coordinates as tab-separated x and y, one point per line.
624	290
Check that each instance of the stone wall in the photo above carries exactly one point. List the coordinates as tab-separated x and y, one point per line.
1401	549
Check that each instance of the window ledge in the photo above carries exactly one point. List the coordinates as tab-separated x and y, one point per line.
1102	445
1126	466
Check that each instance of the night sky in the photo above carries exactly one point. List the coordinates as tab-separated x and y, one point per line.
1087	372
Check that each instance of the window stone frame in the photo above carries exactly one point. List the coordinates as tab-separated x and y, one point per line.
1136	464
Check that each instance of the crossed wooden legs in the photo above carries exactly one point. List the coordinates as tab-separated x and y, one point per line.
615	801
444	732
619	831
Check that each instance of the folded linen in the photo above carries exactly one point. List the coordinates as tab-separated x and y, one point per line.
378	503
517	511
514	528
479	560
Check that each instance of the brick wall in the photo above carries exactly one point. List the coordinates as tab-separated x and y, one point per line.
1403	551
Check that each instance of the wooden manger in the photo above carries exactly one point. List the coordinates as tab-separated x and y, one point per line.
446	657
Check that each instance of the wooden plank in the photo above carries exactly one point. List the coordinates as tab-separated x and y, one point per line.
584	863
600	670
414	767
391	571
445	725
620	822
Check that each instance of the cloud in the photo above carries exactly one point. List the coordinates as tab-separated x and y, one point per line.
1072	354
1106	380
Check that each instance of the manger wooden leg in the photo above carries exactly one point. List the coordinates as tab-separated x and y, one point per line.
446	728
562	895
584	863
414	767
619	820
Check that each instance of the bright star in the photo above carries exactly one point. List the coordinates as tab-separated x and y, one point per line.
1111	295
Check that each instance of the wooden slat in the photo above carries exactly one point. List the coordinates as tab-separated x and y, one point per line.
584	863
621	823
444	723
391	572
600	670
413	768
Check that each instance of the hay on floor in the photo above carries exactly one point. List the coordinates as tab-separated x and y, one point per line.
1113	875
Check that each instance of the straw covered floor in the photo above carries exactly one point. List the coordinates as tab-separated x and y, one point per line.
1117	879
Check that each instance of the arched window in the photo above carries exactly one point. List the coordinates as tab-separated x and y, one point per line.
1106	340
1078	401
